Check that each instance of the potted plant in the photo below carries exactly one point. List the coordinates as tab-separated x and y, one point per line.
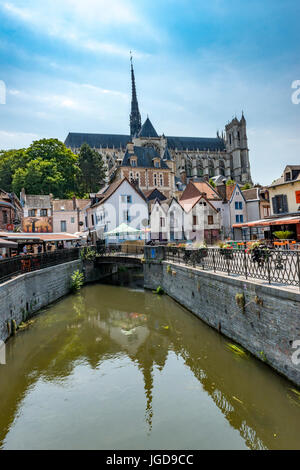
226	250
259	252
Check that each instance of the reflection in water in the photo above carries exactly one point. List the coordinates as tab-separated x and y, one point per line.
117	368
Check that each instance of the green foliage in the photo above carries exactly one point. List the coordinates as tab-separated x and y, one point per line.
240	300
47	166
77	281
88	254
283	234
230	182
212	183
92	169
159	291
246	186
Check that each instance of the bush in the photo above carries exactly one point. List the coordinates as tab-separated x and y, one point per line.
283	234
77	281
88	254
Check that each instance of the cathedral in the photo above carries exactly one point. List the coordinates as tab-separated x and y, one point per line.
225	156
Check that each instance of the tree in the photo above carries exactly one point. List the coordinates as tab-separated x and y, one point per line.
47	166
212	183
10	160
39	177
230	182
246	186
65	163
92	169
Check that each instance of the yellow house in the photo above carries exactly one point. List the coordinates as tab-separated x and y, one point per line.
285	192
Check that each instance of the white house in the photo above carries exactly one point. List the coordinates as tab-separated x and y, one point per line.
237	208
121	202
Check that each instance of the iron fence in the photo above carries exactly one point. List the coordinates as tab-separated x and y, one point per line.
17	265
120	250
274	266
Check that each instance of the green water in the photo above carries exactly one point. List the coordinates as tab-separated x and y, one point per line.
114	368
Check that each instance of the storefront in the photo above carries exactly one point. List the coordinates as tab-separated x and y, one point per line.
265	228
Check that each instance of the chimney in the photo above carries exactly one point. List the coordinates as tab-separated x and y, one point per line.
74	203
130	148
221	189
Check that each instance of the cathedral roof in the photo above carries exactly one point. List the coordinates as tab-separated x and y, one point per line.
147	129
75	140
145	156
167	155
196	143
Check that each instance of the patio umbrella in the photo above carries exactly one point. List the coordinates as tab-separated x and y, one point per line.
122	229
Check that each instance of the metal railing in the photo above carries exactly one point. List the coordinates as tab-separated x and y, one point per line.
273	266
121	250
11	267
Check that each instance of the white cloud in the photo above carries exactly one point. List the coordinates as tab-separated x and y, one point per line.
79	22
15	140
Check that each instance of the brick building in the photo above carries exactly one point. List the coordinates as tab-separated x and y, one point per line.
10	211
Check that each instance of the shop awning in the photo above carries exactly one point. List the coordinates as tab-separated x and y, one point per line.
8	244
24	237
268	222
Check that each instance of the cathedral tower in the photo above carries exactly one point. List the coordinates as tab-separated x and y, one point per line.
237	148
135	117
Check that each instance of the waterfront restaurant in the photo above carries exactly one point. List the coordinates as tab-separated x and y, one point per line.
264	229
48	241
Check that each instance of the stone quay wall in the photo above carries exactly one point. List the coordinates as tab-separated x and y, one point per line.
23	296
265	320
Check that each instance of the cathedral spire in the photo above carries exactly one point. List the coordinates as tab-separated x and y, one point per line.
135	117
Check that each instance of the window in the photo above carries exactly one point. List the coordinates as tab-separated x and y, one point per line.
133	162
93	221
63	226
131	177
210	220
162	222
240	205
237	219
194	220
72	220
157	164
236	205
280	204
43	212
126	199
161	180
288	176
31	213
241	219
155	179
86	221
126	216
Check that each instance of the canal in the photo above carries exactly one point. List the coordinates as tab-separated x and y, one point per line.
120	368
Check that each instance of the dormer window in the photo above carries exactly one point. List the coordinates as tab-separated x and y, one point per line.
133	161
156	163
288	176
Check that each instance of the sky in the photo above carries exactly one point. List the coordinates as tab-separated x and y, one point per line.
65	67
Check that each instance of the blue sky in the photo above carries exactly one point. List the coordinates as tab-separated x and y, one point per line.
66	67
